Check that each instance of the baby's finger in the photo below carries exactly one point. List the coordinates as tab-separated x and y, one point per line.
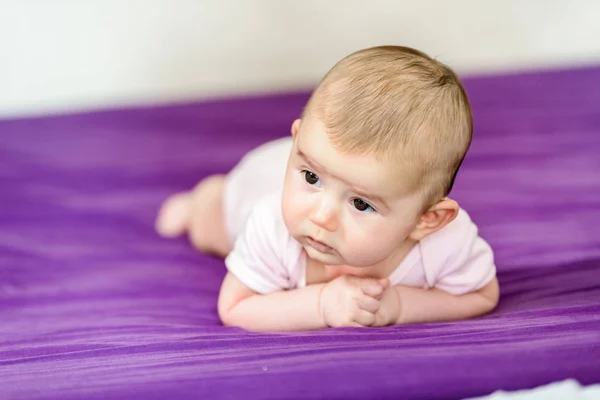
364	318
369	304
372	288
381	319
385	282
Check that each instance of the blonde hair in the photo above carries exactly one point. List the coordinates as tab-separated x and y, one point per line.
399	105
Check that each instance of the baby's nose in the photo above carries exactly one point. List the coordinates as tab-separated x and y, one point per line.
325	216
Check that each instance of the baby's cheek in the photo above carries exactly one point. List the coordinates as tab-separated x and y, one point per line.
286	207
368	241
292	214
357	239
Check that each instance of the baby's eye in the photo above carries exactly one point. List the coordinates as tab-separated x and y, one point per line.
311	178
362	205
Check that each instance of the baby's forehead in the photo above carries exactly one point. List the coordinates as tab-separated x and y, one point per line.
368	170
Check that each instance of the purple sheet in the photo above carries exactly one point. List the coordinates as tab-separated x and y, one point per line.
94	305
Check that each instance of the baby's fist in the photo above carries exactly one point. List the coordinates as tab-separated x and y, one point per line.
351	301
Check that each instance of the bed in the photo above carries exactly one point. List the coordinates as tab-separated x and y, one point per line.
93	304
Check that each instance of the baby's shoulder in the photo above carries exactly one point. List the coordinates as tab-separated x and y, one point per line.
458	230
452	240
265	257
267	211
456	259
267	222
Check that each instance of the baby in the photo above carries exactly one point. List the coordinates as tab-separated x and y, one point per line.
347	222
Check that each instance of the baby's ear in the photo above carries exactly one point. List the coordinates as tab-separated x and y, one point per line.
435	218
295	127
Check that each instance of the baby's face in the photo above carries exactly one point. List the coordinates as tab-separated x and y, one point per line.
344	209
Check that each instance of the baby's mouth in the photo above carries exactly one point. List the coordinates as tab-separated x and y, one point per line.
319	246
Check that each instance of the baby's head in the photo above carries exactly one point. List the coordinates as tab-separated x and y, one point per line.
375	155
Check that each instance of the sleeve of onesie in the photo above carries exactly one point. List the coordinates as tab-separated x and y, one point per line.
456	259
256	259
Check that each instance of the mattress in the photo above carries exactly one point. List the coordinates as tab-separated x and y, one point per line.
93	304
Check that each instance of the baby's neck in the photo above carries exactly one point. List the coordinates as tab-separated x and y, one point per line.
320	273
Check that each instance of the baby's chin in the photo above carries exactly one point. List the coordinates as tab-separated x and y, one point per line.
333	258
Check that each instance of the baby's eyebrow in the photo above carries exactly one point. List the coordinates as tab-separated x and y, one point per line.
315	165
309	160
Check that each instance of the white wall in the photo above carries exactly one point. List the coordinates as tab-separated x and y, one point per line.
58	55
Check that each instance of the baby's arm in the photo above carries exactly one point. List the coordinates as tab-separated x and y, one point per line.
408	305
345	301
462	279
291	310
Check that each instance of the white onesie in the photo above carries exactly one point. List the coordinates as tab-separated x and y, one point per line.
266	258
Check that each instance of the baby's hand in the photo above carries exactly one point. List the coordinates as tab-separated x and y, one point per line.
352	301
389	309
